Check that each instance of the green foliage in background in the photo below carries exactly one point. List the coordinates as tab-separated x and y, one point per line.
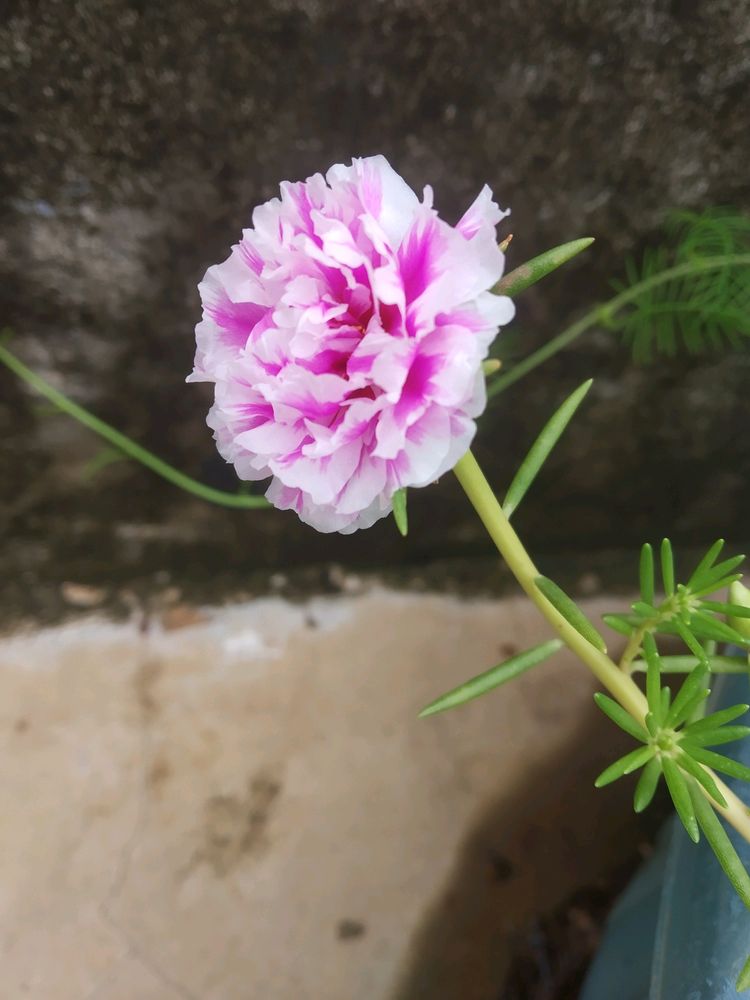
696	309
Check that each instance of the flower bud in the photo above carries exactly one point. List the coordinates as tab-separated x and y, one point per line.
740	595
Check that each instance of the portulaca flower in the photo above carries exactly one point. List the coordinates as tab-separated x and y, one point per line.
345	335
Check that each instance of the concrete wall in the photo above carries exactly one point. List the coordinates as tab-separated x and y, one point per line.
139	135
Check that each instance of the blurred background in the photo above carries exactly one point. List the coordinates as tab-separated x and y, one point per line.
137	137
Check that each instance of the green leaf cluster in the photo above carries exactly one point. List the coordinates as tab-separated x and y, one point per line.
696	309
675	744
685	610
676	739
690	293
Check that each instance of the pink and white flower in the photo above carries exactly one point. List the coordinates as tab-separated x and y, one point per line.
345	335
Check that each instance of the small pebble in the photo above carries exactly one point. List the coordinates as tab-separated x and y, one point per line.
81	595
589	584
348	929
181	616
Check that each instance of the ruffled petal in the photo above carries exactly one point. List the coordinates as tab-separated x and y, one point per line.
345	336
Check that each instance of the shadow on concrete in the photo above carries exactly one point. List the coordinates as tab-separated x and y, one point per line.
527	854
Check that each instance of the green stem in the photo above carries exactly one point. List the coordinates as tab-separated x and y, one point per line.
684	664
600	314
632	649
478	490
126	444
618	683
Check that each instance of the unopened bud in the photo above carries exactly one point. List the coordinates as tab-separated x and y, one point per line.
740	595
491	365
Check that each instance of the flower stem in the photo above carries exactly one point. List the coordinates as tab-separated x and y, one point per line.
125	444
632	649
617	682
600	314
509	545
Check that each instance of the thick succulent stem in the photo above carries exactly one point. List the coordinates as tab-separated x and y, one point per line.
619	683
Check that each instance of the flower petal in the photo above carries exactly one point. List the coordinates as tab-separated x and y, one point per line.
345	336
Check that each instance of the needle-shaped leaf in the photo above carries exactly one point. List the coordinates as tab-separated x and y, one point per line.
690	765
719	762
538	267
735	610
399	511
689	639
646	787
715	737
713	579
725	581
618	623
647	574
492	678
679	791
541	448
653	676
692	705
645	610
743	980
717	719
718	570
721	845
706	563
620	717
625	765
691	686
667	567
711	628
666	701
570	612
